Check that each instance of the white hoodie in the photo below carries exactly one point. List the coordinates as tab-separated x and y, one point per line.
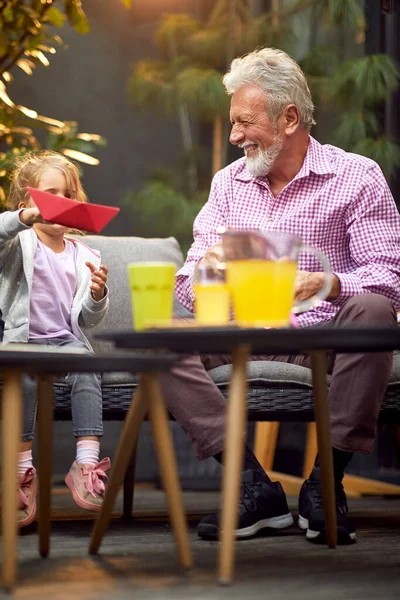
17	252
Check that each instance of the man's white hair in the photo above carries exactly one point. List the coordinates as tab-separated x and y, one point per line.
279	76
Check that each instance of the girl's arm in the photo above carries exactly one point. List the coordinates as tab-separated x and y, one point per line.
96	302
10	226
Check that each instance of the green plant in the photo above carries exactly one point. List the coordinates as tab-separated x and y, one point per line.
187	82
28	38
159	209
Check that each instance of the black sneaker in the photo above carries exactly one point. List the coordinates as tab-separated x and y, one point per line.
311	511
262	504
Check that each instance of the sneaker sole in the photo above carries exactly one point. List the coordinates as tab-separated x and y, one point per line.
78	499
31	516
280	522
319	537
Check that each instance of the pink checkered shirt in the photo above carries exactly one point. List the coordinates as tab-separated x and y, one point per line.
338	202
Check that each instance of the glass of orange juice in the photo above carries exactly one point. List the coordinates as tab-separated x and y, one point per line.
212	298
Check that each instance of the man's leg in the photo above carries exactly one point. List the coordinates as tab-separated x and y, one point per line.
359	380
200	408
357	388
196	403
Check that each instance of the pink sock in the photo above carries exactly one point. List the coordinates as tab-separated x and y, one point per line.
87	452
24	461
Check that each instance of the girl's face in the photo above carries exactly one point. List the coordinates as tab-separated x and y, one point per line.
53	181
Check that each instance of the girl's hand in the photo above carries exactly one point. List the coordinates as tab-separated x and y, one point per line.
99	280
30	216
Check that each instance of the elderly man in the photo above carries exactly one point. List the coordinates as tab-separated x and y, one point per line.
334	200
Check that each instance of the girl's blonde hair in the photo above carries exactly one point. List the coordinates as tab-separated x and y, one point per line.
29	169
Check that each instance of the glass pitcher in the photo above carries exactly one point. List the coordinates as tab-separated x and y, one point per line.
261	275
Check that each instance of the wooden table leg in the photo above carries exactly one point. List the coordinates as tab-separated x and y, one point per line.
234	448
11	430
322	418
45	455
135	415
166	459
129	483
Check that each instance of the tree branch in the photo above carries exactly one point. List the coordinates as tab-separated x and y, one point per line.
21	41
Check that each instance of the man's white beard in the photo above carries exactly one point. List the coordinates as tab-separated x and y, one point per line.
263	161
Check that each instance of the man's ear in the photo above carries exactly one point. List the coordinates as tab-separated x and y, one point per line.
292	119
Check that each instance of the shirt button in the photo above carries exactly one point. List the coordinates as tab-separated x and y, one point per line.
271	219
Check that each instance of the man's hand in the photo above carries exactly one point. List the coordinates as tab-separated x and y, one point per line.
214	254
308	284
99	280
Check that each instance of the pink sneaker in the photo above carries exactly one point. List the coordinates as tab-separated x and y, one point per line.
87	483
26	500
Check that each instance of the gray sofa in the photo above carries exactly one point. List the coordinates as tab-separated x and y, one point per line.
277	391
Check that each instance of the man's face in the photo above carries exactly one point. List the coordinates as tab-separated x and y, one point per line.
253	131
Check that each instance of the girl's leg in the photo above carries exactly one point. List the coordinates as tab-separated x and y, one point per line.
86	405
26	473
86	478
29	400
86	397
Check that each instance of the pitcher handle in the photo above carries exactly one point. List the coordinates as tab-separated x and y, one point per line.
316	300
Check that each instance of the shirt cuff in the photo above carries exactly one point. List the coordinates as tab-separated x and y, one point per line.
350	286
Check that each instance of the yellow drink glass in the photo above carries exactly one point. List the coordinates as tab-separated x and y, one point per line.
212	298
152	293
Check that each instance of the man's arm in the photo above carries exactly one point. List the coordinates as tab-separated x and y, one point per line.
373	233
212	215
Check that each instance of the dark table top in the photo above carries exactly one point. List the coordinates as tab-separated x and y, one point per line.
221	340
41	359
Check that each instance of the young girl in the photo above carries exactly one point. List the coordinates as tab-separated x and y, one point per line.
50	287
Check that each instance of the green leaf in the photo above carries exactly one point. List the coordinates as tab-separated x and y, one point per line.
3	44
320	61
354	126
82	146
55	17
76	16
152	87
32	42
8	14
345	13
369	79
202	90
159	210
174	32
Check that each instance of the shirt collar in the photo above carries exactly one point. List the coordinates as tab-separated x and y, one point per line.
316	161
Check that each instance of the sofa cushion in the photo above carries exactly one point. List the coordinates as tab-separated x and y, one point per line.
116	253
265	373
261	373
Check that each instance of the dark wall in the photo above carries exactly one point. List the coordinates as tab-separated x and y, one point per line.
383	35
87	83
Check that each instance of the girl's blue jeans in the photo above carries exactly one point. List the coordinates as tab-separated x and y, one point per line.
86	397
